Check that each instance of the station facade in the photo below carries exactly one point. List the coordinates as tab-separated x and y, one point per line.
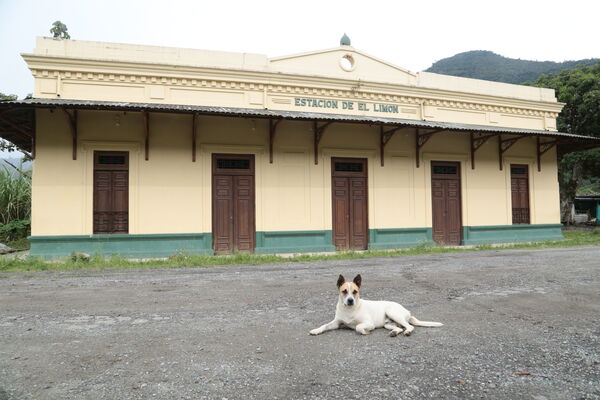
149	151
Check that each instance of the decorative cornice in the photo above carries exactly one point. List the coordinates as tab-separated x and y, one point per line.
283	84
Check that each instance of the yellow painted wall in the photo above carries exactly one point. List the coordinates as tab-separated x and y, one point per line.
171	194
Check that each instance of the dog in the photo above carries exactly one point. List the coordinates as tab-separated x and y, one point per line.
366	315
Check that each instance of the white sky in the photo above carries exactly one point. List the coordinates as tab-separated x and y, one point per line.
411	35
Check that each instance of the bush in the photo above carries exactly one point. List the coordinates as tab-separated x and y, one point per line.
15	230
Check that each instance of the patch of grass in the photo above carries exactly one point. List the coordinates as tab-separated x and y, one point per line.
96	262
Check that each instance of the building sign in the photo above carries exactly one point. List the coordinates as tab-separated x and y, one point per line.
345	105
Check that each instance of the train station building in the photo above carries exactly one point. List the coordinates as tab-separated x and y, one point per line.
150	151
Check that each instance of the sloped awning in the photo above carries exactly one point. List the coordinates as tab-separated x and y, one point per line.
17	125
17	120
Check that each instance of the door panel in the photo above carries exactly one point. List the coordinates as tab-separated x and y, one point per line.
244	213
111	192
341	213
223	214
446	203
102	201
349	201
453	213
520	193
233	203
358	220
439	208
120	186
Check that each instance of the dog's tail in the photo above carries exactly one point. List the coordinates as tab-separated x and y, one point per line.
416	322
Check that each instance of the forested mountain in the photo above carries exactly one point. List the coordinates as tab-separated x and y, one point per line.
481	64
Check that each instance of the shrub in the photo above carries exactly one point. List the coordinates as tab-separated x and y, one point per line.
14	230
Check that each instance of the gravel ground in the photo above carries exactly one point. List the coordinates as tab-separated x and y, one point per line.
519	324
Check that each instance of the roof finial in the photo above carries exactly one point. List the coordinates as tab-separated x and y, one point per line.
345	40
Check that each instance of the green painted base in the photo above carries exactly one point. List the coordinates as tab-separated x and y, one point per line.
398	237
164	245
293	242
135	246
473	235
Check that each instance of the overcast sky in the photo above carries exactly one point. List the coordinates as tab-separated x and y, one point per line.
410	34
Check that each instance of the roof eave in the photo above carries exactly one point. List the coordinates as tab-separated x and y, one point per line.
567	142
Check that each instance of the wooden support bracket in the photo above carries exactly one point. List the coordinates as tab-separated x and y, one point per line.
420	139
384	138
477	140
318	131
194	118
272	131
72	120
542	148
146	134
504	145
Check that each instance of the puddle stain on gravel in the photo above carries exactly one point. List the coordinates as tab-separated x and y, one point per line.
88	322
456	296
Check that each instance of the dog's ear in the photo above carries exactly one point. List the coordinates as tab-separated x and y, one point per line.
340	281
357	280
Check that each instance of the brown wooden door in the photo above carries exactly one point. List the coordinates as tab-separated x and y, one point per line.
349	203
519	182
233	203
446	203
111	192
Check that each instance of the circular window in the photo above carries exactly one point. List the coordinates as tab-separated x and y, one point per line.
347	62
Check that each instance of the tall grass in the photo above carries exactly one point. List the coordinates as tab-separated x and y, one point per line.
15	201
15	193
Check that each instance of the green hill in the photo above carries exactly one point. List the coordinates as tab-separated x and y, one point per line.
481	64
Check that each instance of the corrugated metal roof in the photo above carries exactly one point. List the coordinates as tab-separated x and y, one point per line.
287	115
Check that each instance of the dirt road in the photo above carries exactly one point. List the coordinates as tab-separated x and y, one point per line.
518	325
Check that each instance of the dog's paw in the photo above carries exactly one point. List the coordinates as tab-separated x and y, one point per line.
407	332
315	332
364	332
395	332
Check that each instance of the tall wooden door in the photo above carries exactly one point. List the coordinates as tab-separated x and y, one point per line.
349	197
446	203
111	192
233	203
519	182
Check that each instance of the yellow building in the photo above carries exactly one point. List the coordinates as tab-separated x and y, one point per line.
149	151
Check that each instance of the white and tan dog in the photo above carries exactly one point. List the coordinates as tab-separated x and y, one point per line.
365	315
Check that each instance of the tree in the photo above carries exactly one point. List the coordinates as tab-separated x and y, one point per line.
579	88
59	31
4	97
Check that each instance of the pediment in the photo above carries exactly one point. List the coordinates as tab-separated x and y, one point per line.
343	62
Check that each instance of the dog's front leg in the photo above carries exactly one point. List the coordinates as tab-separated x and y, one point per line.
365	328
327	327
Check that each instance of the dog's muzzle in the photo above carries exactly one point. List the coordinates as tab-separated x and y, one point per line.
350	301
